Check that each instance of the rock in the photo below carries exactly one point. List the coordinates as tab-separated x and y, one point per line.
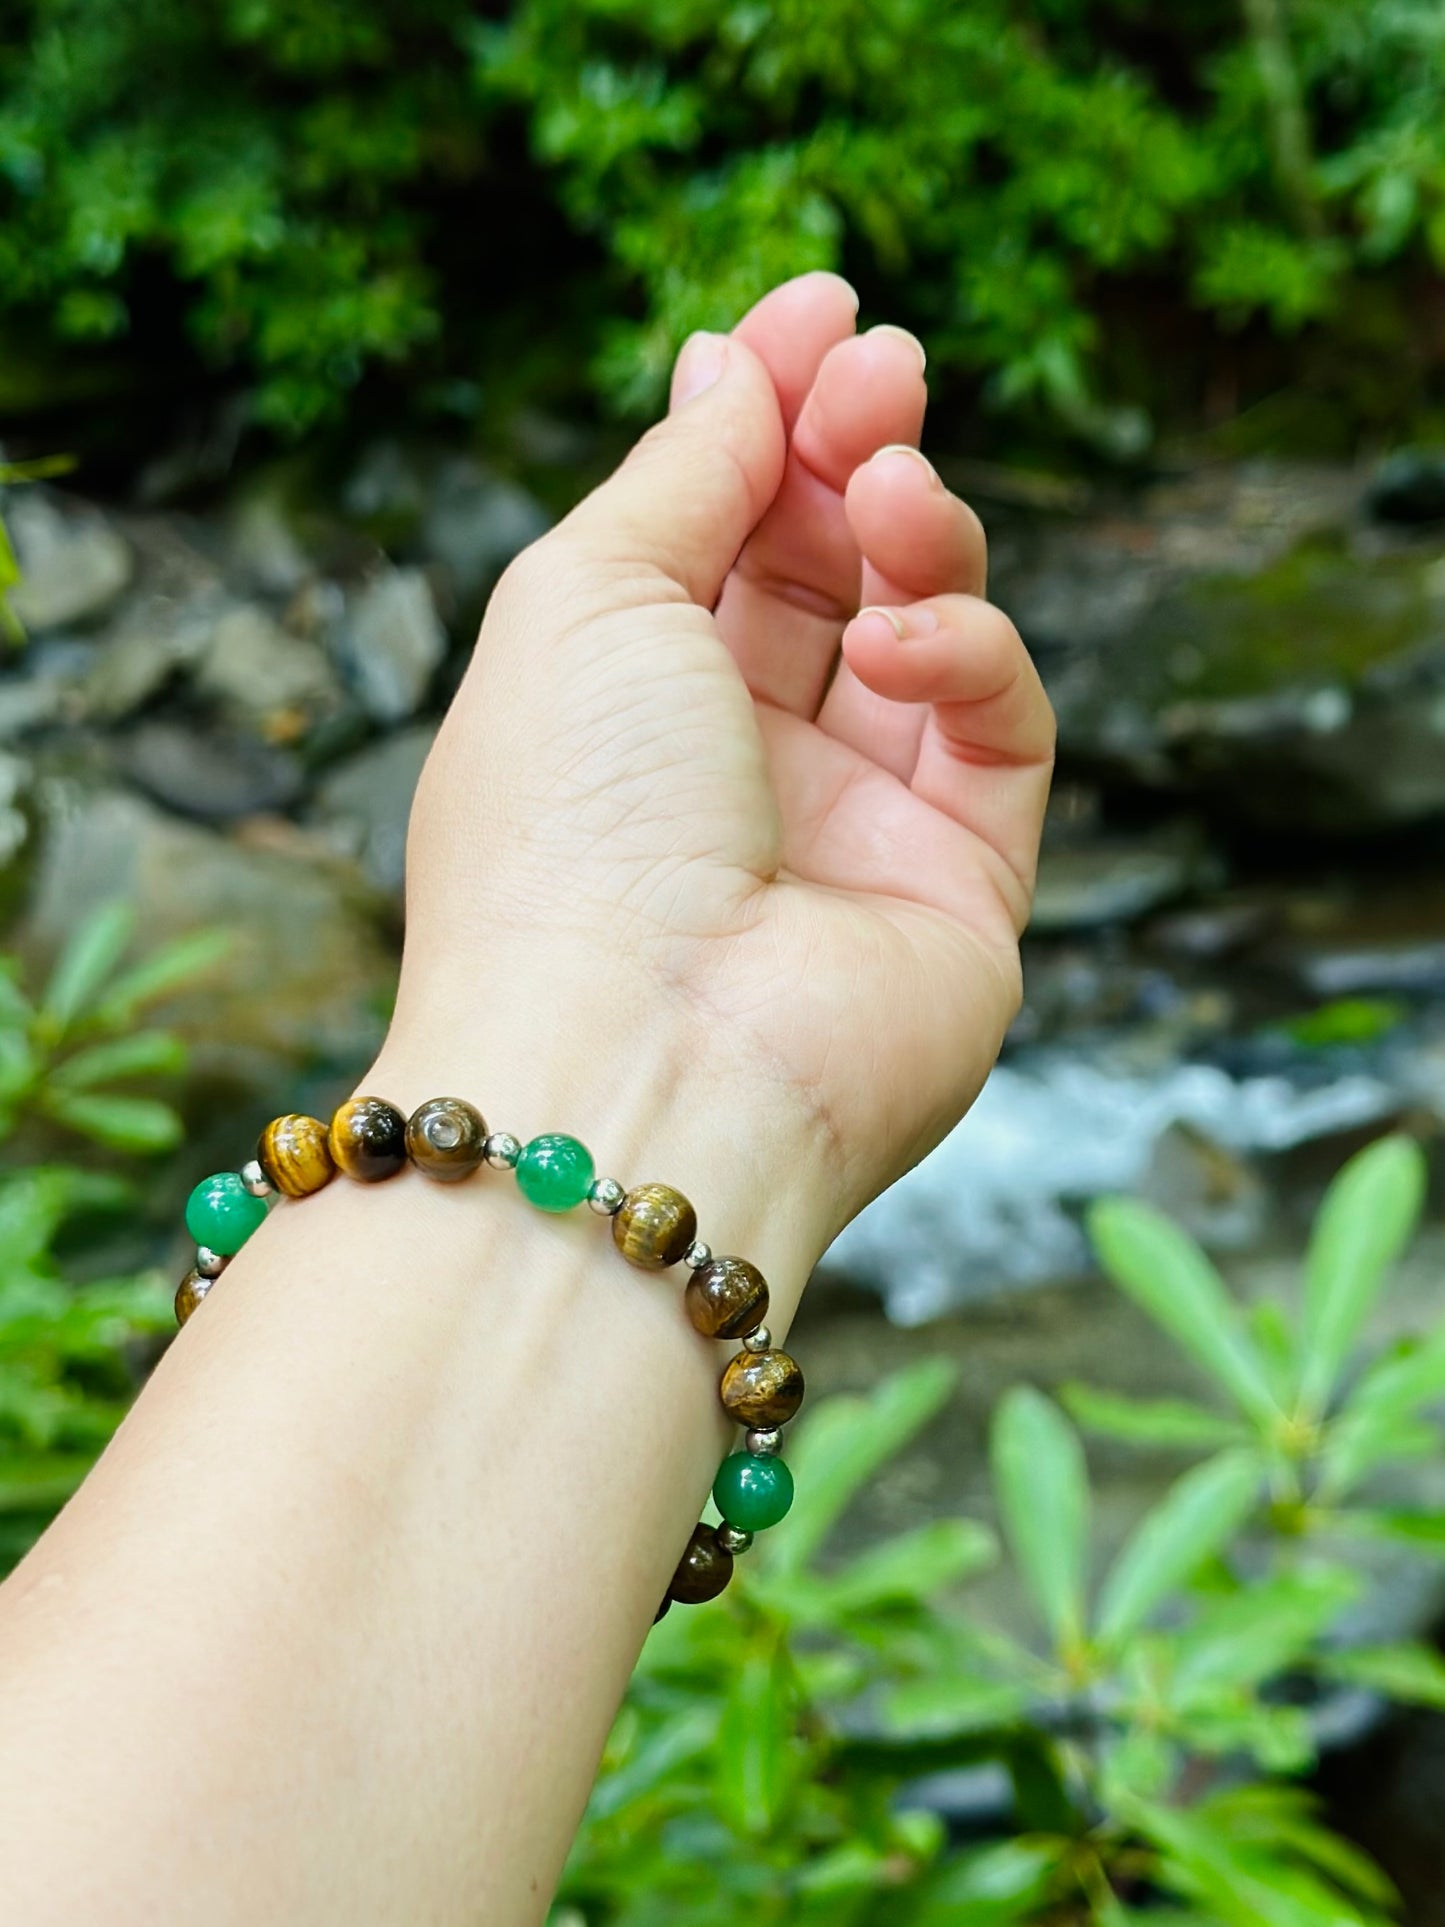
214	777
366	802
1116	880
265	549
133	662
307	974
1409	487
74	566
28	702
256	669
392	643
475	522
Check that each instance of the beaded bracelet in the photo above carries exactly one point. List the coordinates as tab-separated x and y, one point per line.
653	1226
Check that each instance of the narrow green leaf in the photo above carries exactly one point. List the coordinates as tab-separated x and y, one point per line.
689	1735
841	1443
1406	1378
1368	1217
949	1708
1156	1421
1238	1643
1425	1531
755	1739
991	1886
1167	1275
40	1482
1042	1489
910	1567
1277	1815
1412	1674
87	962
146	1053
174	967
139	1124
1360	1441
1196	1518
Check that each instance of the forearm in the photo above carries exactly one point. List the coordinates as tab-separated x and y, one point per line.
337	1628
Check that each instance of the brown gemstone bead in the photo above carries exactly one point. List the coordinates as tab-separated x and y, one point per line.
727	1298
446	1138
703	1570
762	1388
189	1293
653	1226
368	1139
294	1154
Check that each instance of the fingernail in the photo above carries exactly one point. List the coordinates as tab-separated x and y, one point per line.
919	620
827	274
887	328
914	455
701	362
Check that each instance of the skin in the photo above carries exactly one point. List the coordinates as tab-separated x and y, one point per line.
720	874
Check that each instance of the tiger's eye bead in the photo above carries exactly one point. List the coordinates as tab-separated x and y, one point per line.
368	1139
555	1172
189	1293
294	1154
762	1388
446	1138
703	1570
752	1493
653	1226
727	1297
221	1214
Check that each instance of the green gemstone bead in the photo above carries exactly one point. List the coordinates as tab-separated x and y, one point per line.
221	1213
752	1493
555	1172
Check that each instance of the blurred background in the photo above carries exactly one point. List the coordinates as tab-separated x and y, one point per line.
311	316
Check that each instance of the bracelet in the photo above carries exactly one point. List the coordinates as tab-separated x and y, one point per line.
653	1226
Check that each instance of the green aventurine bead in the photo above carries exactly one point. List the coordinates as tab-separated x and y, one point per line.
221	1213
751	1493
555	1172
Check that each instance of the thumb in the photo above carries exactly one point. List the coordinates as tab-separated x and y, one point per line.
697	484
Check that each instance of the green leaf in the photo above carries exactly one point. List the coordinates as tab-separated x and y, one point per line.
1197	1517
912	1566
40	1482
1239	1642
755	1739
1425	1531
1412	1674
1368	1217
147	1053
939	1708
841	1443
1157	1421
1167	1275
140	1124
1360	1441
171	968
1042	1489
87	962
992	1886
1396	1385
1276	1815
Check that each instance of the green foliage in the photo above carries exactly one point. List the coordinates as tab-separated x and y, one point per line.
68	1350
323	190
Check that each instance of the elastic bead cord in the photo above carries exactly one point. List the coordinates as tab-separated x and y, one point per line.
653	1226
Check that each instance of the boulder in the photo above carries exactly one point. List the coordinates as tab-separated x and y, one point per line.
74	565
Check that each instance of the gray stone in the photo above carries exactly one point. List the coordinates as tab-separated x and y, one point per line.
134	661
1409	487
392	643
74	565
252	665
29	702
214	777
475	522
1113	881
366	801
265	549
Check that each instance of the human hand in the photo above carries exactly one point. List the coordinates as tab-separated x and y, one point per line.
697	826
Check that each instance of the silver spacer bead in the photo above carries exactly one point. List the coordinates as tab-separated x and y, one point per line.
733	1541
605	1197
502	1151
210	1263
765	1444
759	1341
697	1255
255	1179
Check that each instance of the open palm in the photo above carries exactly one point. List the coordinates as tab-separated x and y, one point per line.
684	767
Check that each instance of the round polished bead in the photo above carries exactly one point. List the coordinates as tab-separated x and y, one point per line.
697	1255
703	1570
752	1493
654	1226
222	1214
446	1138
764	1443
606	1196
502	1151
733	1541
555	1172
294	1153
760	1340
762	1388
189	1293
368	1139
210	1263
726	1297
255	1180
